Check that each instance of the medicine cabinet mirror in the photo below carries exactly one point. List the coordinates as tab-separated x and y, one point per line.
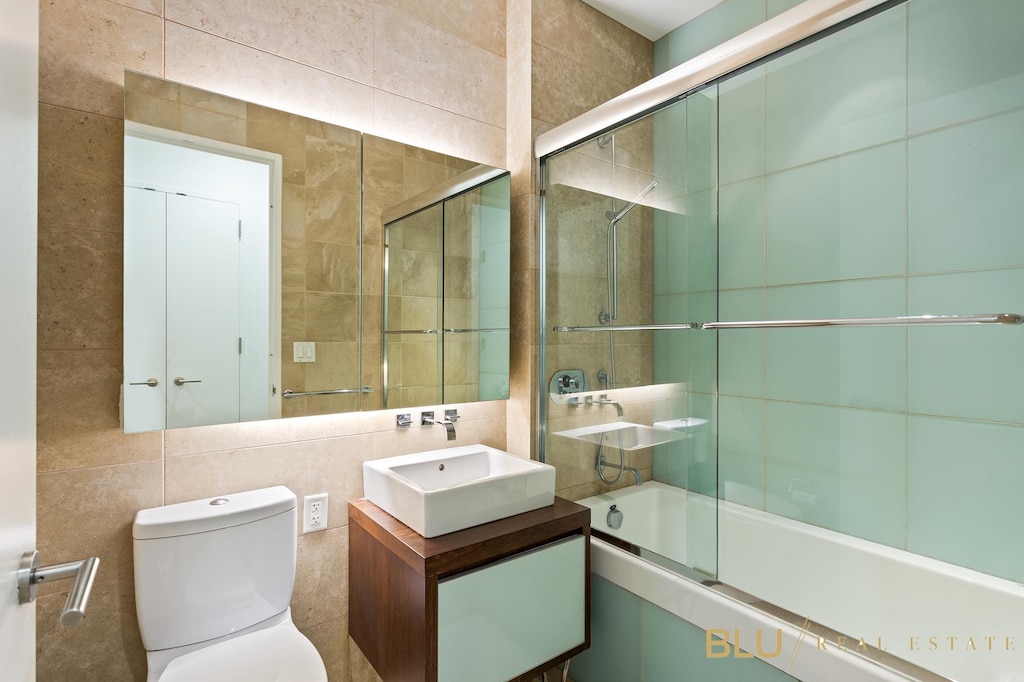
254	264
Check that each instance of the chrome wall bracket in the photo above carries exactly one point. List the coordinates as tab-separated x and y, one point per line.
30	575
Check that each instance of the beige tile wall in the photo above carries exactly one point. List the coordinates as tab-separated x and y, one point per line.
429	74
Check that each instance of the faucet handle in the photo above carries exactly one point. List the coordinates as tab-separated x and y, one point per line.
426	418
403	421
451	415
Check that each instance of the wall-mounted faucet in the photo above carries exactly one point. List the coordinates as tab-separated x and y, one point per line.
603	399
450	417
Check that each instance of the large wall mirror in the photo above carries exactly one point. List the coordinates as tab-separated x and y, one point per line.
255	263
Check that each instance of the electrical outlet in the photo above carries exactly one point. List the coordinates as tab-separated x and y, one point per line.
314	513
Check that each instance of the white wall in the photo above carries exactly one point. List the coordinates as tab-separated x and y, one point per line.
19	67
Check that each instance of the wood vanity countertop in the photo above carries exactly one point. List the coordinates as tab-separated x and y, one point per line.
471	547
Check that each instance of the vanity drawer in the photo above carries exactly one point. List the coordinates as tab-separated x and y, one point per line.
506	618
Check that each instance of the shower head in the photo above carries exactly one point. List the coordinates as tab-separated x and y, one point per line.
616	217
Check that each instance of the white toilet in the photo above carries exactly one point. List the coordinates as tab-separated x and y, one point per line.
213	580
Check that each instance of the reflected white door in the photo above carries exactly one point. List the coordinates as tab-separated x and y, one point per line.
19	45
203	311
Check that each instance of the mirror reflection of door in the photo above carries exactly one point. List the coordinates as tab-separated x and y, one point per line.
199	318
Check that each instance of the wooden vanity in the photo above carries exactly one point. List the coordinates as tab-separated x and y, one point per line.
504	600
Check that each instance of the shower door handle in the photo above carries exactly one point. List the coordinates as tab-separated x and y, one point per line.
30	574
181	381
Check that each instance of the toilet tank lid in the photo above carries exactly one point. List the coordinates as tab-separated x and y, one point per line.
211	513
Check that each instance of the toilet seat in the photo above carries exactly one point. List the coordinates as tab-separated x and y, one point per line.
277	654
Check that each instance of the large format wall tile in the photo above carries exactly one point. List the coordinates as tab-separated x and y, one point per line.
479	23
965	214
313	37
77	424
741	451
963	60
84	48
844	92
962	371
952	460
442	71
841	469
741	352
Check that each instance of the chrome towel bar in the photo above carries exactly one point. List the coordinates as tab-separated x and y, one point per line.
409	331
288	393
903	321
493	330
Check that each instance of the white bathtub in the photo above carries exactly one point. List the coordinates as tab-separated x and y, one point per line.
910	604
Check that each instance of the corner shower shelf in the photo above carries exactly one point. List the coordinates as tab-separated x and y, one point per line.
903	321
623	435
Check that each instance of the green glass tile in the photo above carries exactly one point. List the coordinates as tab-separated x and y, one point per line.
965	59
741	352
844	92
741	234
965	371
741	112
838	219
741	450
720	23
614	653
964	489
838	468
964	196
857	367
674	650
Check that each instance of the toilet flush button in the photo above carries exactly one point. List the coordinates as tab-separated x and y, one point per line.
219	501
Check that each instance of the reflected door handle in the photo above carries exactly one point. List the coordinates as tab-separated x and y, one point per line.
30	575
151	382
181	381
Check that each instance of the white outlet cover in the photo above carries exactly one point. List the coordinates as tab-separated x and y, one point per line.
309	507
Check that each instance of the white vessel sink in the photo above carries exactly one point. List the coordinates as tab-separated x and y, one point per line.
623	435
442	491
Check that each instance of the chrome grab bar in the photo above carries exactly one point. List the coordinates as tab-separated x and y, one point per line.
456	330
288	393
151	382
902	321
409	331
84	572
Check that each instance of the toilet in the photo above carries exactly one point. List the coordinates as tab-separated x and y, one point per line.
213	583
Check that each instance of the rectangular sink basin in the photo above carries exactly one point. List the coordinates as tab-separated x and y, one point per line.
622	435
442	491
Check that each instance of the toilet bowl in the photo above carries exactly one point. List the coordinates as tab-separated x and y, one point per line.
213	581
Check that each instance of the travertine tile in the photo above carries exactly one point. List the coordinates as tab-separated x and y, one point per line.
331	465
373	271
293	211
80	170
78	426
422	175
104	646
361	669
80	301
293	264
282	133
332	317
212	101
479	23
293	318
152	111
409	120
336	366
331	641
332	165
105	499
213	125
332	268
564	88
321	577
312	37
84	48
443	71
152	6
332	215
205	61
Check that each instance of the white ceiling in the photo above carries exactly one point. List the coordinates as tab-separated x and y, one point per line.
652	18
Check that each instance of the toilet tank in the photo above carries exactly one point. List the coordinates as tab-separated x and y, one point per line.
208	568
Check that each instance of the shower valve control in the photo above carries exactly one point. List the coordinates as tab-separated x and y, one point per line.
566	382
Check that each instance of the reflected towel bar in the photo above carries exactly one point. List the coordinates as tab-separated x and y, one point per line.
905	321
497	330
288	393
409	331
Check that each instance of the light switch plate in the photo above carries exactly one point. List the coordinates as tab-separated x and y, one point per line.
304	351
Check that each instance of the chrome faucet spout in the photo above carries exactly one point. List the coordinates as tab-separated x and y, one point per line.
602	462
604	400
427	418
